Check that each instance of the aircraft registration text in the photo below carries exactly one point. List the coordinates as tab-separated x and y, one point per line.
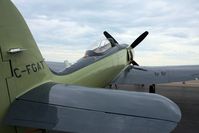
28	69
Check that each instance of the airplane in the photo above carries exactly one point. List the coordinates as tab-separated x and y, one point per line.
34	98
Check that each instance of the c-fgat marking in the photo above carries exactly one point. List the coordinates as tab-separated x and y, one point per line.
29	68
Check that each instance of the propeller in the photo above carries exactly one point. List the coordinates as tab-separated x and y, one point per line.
133	45
139	39
110	38
134	63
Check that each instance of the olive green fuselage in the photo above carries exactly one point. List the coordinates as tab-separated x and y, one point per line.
98	74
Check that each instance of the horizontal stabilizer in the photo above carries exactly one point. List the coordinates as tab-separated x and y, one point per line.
60	107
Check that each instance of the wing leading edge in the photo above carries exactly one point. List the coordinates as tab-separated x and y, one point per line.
69	108
157	75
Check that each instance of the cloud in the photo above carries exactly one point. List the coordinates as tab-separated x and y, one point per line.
56	31
52	53
75	25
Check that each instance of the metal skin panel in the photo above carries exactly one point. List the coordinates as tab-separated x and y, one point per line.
4	106
4	94
157	75
79	109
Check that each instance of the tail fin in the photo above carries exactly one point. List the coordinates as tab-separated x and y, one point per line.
18	48
14	32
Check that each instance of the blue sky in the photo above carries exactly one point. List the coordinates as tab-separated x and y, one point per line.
65	29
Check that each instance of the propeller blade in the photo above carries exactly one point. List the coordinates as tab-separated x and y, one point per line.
108	36
135	63
139	39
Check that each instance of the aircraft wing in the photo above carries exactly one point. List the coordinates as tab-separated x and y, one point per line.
69	108
156	75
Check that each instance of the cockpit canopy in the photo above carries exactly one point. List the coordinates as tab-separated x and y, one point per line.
102	47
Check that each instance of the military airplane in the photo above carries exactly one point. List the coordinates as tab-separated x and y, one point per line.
35	98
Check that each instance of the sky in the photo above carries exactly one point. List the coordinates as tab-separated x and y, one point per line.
64	29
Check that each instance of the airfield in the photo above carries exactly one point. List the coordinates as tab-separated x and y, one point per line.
185	95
